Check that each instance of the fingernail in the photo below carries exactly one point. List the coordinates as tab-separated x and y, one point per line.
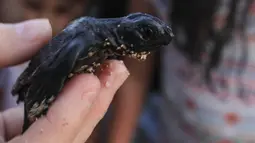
33	29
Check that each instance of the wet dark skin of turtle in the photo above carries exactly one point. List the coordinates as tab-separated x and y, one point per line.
80	48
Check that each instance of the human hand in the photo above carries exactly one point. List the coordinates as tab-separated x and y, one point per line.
79	107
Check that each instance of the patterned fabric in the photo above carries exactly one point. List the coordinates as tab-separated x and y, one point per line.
191	112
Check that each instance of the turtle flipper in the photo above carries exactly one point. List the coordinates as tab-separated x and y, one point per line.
40	95
49	81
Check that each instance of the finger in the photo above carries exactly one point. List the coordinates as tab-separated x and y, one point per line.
18	42
64	118
11	122
111	79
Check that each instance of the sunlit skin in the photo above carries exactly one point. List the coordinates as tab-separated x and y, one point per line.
59	12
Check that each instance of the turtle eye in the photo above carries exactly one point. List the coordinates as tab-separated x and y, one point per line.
146	32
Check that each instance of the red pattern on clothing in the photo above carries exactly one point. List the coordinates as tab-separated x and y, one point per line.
231	118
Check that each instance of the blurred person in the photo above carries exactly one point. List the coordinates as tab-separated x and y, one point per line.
10	11
208	92
206	76
59	12
1	19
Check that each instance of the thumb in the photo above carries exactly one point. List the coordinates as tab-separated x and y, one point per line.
18	42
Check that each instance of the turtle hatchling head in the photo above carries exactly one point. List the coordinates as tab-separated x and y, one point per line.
141	33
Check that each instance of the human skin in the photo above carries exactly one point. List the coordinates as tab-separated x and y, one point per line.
79	107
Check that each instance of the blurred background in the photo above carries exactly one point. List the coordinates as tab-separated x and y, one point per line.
198	89
60	13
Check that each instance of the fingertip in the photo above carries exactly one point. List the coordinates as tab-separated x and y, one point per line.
33	30
119	74
114	72
22	40
118	67
110	83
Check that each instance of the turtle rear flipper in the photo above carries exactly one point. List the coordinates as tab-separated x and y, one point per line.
40	95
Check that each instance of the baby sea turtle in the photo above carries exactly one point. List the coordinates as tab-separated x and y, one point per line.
80	48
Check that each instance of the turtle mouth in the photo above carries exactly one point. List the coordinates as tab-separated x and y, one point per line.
125	51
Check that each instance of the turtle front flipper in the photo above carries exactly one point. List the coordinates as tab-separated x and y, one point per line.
45	86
